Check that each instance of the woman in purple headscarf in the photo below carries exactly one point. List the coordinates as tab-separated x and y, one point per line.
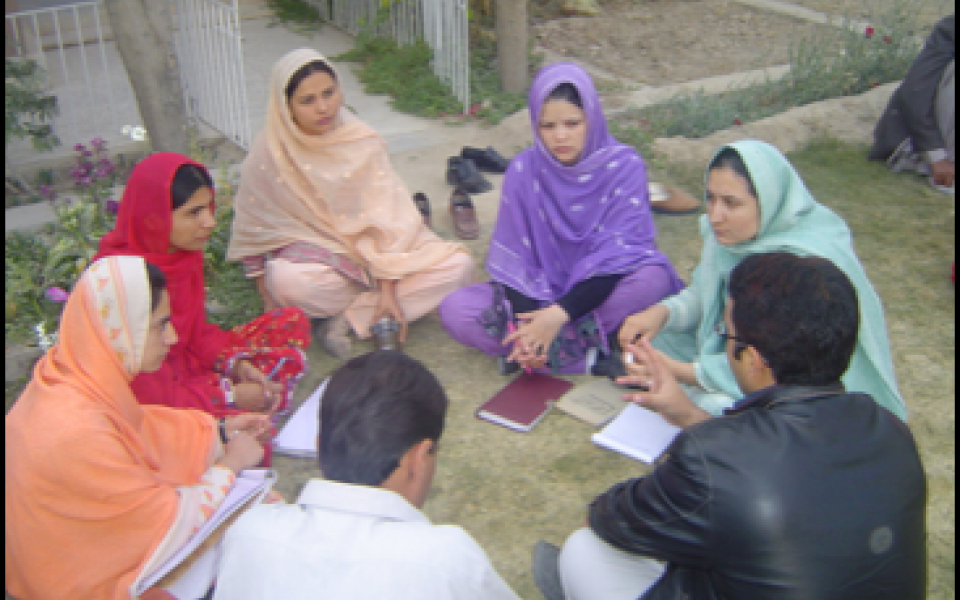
573	252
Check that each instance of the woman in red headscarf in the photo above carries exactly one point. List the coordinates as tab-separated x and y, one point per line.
166	216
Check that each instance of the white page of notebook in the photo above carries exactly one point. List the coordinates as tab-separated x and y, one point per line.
245	486
638	433
299	435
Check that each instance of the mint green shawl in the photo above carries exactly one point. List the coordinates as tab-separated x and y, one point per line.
790	221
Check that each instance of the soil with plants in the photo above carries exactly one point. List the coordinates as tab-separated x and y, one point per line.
658	42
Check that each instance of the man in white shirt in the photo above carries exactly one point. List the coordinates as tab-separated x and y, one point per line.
359	533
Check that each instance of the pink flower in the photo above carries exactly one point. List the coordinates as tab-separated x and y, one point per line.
98	143
56	294
887	39
643	121
474	109
869	32
874	84
79	147
112	207
737	122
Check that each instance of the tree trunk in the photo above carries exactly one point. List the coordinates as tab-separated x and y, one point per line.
143	31
512	58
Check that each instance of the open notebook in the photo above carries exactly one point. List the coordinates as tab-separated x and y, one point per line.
249	487
638	433
299	435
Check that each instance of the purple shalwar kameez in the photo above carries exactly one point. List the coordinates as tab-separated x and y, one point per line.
560	225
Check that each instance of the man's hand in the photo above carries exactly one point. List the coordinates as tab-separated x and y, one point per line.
943	172
664	394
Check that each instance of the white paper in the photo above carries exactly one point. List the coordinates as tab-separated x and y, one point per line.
197	580
638	433
299	435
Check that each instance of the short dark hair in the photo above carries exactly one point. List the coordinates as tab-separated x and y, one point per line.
315	66
158	283
186	181
566	91
729	158
800	313
375	408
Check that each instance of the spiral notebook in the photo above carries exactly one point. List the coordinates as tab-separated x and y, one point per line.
638	433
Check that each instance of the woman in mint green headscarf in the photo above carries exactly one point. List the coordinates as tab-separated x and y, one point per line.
786	218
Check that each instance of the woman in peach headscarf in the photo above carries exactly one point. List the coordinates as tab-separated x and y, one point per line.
323	222
100	489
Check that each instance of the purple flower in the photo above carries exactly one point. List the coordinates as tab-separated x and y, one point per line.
85	181
56	294
112	207
79	147
98	143
101	172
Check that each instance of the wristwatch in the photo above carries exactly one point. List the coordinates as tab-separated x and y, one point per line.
222	427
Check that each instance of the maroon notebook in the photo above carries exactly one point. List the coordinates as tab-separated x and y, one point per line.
523	402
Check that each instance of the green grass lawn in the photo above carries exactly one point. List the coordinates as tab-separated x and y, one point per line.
510	489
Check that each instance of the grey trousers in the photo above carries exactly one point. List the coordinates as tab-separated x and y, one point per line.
591	569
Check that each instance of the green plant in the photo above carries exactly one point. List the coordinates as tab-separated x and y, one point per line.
234	296
28	110
299	15
404	73
39	269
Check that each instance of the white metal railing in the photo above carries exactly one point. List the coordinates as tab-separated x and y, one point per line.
82	69
442	24
210	56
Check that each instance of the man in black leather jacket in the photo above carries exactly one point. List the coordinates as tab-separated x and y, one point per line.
800	491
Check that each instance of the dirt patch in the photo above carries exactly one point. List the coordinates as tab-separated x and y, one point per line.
849	119
668	41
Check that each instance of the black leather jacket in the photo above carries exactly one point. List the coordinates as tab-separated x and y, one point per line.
805	493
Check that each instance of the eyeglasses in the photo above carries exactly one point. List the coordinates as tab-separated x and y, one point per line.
721	330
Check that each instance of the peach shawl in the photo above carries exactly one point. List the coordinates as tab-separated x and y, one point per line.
91	475
337	191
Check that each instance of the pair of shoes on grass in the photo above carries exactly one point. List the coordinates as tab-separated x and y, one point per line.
464	174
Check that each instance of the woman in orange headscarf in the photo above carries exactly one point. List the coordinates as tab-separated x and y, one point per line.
99	489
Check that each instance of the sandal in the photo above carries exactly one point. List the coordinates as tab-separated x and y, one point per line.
464	216
423	205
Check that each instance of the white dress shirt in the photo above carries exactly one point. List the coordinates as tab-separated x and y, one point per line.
352	542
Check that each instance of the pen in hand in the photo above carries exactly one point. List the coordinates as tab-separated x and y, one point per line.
276	368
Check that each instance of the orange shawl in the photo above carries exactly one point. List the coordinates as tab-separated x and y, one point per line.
91	475
337	191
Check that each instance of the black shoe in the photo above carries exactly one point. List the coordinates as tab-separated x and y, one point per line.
463	173
486	160
505	367
611	365
546	572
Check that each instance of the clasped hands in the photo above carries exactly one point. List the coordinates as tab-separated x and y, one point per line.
246	436
535	333
388	306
